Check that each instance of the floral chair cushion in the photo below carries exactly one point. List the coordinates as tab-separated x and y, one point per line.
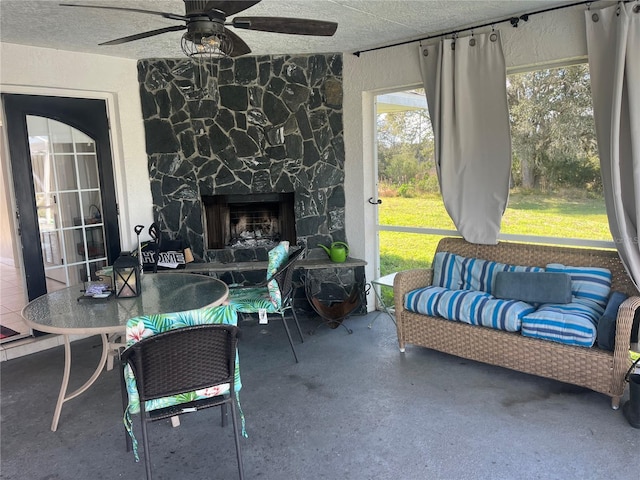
277	257
253	299
269	298
142	327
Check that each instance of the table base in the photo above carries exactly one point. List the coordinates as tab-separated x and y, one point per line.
109	351
386	281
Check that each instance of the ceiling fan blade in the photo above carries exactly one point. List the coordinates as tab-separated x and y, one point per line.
239	45
139	36
295	26
231	7
173	16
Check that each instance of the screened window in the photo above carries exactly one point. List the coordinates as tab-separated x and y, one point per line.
556	190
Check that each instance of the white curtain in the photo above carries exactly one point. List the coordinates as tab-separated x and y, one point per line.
465	83
613	44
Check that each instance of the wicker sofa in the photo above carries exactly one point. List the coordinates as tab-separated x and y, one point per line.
594	368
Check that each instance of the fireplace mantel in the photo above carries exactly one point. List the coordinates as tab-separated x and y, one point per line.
338	278
305	264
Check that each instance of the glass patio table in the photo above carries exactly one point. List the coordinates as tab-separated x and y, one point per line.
65	312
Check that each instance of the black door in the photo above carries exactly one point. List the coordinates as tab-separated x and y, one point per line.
65	195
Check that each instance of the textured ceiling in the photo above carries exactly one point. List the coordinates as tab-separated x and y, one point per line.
362	24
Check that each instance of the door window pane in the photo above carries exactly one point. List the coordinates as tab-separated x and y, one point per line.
66	172
47	211
88	171
83	143
74	245
40	159
91	207
43	180
61	137
95	242
38	128
70	209
56	277
51	248
77	274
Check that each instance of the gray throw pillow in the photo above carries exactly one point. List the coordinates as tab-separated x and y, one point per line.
607	324
534	287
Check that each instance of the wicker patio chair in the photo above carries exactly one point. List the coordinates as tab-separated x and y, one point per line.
180	371
275	295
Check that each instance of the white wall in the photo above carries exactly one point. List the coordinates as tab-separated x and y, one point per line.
545	39
42	71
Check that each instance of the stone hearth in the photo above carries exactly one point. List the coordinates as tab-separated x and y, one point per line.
267	124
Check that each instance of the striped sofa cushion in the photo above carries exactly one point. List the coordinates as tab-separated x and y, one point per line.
443	302
478	274
590	286
424	300
468	306
447	268
570	323
500	314
459	304
455	272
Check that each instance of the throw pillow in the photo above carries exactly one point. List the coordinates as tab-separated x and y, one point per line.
479	274
607	323
534	287
589	285
570	323
447	270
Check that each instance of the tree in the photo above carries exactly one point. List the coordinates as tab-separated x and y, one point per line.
405	145
552	127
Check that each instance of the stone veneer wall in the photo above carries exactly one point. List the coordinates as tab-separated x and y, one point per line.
263	124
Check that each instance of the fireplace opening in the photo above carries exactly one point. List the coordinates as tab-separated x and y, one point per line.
248	221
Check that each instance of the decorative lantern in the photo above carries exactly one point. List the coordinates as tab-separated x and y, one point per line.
126	276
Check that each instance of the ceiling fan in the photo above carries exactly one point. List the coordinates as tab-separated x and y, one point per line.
206	26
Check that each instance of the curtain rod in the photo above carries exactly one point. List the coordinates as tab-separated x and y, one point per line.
513	20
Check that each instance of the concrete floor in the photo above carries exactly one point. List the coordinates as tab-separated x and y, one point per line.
353	408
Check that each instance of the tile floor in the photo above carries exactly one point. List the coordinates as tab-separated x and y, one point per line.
12	299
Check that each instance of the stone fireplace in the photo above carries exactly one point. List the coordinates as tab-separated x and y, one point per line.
268	127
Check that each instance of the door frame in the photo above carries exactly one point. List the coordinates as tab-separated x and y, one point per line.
78	112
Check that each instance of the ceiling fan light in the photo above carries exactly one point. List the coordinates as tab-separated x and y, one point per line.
215	45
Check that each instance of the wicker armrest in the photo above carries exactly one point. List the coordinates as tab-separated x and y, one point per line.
624	322
403	283
408	280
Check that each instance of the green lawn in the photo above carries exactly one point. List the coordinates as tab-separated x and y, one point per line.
527	214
